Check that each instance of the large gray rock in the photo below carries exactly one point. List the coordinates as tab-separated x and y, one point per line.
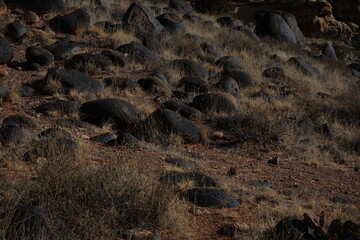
242	79
74	22
39	6
6	51
12	134
122	115
70	79
172	23
280	25
208	197
189	68
140	20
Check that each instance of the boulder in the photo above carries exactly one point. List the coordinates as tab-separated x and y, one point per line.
274	73
126	139
280	25
74	22
139	20
231	62
6	51
189	68
122	115
183	109
12	134
39	55
38	6
329	52
15	31
21	121
181	6
62	48
70	79
30	17
199	179
89	63
208	197
155	85
229	85
242	79
215	103
193	84
304	66
140	54
103	138
172	23
116	57
4	92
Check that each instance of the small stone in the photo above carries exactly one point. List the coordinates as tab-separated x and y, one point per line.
231	171
274	161
217	135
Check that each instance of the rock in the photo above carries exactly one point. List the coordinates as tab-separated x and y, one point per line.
261	95
138	19
183	109
103	138
74	22
120	84
242	79
274	161
232	171
208	49
350	230
140	54
325	129
113	111
116	57
280	25
304	126
126	139
304	66
274	73
166	122
189	68
88	62
3	73
58	108
207	197
231	62
39	55
329	52
215	103
192	84
39	6
30	17
15	31
55	133
229	85
12	134
247	32
21	121
172	23
291	228
155	85
6	51
199	179
183	163
33	67
4	92
181	6
70	79
62	48
217	135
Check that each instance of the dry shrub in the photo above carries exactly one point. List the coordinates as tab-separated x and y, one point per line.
94	202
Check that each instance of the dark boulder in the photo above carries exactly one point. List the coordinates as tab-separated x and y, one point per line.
15	31
103	138
329	52
172	23
4	92
243	79
199	179
12	134
207	197
291	228
280	25
6	51
229	85
19	120
189	68
193	84
274	73
140	54
39	55
70	79
183	109
116	57
62	48
120	84
231	62
88	62
304	66
127	139
39	6
122	115
181	6
180	162
139	20
75	22
215	103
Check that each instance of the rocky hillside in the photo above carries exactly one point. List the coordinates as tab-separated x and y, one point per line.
149	120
